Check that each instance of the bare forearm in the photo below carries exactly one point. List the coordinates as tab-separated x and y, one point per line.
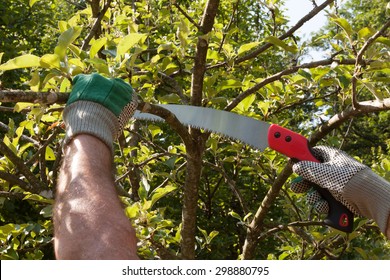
89	220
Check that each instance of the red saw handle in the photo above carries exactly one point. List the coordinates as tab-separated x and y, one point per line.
297	147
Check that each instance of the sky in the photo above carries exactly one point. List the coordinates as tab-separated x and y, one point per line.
295	10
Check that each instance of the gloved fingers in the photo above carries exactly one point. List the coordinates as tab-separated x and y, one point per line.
320	205
311	171
299	185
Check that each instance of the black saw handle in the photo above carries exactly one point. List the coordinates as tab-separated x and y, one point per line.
297	147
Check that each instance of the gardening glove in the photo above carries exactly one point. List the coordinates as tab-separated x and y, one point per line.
352	183
98	106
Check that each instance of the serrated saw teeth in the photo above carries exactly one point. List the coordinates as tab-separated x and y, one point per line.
230	125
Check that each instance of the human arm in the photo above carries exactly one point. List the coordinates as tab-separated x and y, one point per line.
89	222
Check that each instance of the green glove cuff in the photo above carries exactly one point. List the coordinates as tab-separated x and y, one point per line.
370	195
114	94
85	117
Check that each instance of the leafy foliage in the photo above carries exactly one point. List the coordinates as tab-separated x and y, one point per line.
249	67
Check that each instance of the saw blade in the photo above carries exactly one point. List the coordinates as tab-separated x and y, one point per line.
247	130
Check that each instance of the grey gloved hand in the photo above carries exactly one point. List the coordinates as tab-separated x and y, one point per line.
333	173
349	181
98	106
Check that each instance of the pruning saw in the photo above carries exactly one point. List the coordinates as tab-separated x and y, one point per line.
259	135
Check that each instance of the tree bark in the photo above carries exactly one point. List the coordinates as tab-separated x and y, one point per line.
196	150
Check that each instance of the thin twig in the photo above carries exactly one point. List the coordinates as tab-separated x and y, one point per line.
177	5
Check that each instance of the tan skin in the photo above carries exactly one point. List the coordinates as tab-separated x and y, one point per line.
89	220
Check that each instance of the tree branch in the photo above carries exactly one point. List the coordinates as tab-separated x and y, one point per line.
201	53
14	96
13	180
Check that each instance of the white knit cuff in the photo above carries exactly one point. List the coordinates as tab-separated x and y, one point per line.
86	117
369	193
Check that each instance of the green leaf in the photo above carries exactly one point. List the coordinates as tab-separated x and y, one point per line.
128	42
65	39
23	61
36	197
247	47
20	106
32	2
132	211
50	61
49	154
305	73
172	98
383	40
277	42
344	24
244	105
47	211
231	83
365	33
361	252
96	45
154	130
161	192
235	215
213	234
100	65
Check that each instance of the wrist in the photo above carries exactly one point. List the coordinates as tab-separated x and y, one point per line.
86	117
369	194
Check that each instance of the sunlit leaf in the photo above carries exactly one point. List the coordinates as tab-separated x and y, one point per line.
129	41
365	33
50	61
65	39
20	106
96	45
132	211
23	61
344	24
277	42
38	198
32	2
235	215
49	154
231	83
247	47
245	104
383	40
161	192
47	211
